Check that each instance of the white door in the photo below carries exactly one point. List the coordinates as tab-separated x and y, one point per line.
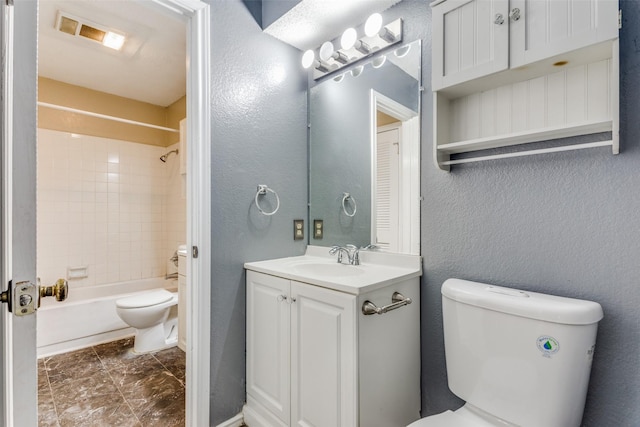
268	343
323	357
388	189
470	40
544	28
19	45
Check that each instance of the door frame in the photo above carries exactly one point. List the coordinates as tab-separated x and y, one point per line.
409	164
197	14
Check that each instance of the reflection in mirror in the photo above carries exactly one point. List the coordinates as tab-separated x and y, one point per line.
365	141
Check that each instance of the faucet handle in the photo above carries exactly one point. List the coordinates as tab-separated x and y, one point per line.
370	247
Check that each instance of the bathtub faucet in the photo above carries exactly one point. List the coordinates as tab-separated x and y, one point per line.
171	276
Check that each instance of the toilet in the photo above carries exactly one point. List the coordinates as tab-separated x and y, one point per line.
154	316
516	358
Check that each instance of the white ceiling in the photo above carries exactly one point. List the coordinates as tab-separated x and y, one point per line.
311	22
151	67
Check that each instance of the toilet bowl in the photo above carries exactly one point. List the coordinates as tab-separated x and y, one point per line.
516	358
154	316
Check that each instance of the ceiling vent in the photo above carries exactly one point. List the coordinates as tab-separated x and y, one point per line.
78	27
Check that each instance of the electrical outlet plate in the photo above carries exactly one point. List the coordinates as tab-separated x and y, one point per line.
298	229
318	228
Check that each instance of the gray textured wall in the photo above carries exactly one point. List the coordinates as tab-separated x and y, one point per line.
340	149
259	136
565	224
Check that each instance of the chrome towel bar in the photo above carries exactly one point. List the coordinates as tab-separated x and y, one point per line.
397	300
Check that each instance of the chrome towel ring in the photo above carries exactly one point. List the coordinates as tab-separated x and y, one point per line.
262	190
345	197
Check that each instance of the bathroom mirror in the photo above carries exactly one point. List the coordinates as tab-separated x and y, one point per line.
364	154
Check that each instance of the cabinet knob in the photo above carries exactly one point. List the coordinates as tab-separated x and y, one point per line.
499	19
292	300
282	298
514	14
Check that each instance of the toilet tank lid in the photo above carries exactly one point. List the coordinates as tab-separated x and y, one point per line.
145	299
527	304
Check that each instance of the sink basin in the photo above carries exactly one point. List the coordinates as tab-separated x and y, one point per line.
326	269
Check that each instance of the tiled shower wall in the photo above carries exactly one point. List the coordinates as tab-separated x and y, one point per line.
107	205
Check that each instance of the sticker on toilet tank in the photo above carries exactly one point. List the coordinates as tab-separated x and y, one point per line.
548	345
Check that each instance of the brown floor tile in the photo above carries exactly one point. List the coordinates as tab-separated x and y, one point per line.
110	385
174	360
74	365
91	415
47	415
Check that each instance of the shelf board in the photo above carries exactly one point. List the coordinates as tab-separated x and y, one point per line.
534	135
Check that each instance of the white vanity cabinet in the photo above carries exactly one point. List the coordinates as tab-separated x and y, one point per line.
314	359
476	38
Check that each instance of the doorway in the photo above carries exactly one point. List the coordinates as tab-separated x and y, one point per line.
18	341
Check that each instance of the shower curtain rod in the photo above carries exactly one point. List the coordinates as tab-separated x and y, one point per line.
104	116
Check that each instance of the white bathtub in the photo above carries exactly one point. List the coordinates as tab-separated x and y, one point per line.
88	316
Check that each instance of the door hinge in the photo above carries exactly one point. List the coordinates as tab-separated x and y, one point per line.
194	251
620	19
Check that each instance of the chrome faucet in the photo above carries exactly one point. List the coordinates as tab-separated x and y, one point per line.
352	251
340	250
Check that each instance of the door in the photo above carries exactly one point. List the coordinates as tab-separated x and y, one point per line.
323	357
19	46
470	40
388	190
268	332
545	28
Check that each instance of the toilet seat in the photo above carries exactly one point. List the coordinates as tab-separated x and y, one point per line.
145	299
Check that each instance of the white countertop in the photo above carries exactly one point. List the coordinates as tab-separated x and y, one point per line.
317	267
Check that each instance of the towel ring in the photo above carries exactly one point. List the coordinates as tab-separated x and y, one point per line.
345	197
262	190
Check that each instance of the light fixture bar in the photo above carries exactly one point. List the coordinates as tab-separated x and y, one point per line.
353	46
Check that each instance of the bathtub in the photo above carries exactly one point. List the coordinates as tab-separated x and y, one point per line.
88	315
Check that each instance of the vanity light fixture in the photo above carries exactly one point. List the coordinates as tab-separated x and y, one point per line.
309	60
350	40
327	52
327	59
374	27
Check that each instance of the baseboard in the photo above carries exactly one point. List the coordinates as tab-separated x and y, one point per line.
80	343
236	421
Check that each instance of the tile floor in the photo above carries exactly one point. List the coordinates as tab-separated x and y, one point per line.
108	385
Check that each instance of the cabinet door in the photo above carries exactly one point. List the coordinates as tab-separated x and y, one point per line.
470	40
268	343
323	358
546	28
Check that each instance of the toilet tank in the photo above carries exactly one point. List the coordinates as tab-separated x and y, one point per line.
523	357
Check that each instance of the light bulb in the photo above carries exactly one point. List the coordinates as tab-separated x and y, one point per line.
308	58
379	61
349	38
355	72
326	51
373	25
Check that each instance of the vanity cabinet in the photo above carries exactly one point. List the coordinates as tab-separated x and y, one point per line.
508	72
313	358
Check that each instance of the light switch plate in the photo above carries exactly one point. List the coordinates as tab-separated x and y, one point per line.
298	229
318	228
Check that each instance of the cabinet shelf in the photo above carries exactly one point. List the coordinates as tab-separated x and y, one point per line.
554	132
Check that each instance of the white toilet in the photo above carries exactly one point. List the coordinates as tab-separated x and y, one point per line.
517	358
154	315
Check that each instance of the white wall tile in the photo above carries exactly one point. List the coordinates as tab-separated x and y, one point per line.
107	204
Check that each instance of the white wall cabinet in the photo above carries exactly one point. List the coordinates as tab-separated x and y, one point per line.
314	360
507	72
